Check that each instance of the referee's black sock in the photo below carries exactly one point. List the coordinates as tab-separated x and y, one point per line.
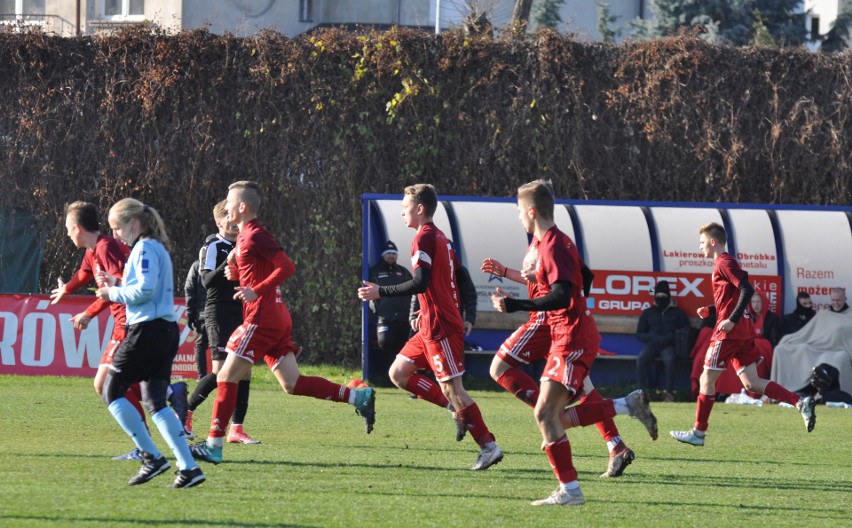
242	401
203	388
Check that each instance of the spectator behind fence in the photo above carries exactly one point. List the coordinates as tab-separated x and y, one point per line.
656	329
804	312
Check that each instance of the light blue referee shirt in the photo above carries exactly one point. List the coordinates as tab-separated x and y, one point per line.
147	288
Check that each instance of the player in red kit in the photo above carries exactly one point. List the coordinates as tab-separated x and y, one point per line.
531	342
439	341
260	265
573	343
733	339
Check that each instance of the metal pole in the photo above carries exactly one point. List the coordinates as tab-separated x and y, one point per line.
437	17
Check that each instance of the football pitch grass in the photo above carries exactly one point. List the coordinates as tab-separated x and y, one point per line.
317	467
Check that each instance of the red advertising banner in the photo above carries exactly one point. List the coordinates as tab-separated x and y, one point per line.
38	339
630	292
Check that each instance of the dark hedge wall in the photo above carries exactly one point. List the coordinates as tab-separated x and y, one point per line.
320	119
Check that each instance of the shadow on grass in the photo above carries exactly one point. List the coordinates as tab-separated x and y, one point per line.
111	521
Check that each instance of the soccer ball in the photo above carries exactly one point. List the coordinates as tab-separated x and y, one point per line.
356	384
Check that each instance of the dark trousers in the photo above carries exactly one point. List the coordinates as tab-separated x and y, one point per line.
646	360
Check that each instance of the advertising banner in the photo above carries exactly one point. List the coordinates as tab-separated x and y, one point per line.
630	292
38	338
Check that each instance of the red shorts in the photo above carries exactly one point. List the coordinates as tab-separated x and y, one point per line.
569	367
528	343
118	335
252	342
739	354
445	357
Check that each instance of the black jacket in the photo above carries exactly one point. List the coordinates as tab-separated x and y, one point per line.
390	309
196	294
795	321
657	327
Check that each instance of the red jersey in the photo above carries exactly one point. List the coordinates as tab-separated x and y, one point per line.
439	304
558	260
263	266
533	290
727	277
108	255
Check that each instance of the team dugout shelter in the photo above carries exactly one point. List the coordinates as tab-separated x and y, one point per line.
629	246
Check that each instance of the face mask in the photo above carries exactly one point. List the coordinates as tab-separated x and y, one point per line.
805	312
662	302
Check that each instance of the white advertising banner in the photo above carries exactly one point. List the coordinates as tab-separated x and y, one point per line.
755	241
491	230
677	233
818	254
615	237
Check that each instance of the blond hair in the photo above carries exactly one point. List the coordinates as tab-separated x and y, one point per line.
540	193
424	194
150	222
249	194
220	210
714	231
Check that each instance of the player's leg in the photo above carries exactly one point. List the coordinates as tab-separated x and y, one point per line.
620	456
526	344
703	407
233	369
237	434
403	373
285	368
754	383
552	400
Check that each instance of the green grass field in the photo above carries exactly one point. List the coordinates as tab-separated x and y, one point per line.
317	467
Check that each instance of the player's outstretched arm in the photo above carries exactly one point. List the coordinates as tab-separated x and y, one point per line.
494	267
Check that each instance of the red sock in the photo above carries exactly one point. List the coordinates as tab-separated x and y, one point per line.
606	427
777	392
424	388
587	413
702	410
559	455
321	389
520	384
473	422
134	396
223	408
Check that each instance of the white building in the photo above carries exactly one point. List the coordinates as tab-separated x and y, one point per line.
292	17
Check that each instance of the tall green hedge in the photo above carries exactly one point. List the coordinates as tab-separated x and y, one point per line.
322	118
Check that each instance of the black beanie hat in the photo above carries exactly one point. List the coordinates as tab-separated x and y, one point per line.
662	287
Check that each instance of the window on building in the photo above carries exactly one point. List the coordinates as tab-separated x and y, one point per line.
124	8
815	28
22	12
22	7
306	10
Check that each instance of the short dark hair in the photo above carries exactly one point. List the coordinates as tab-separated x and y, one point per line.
84	214
803	295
